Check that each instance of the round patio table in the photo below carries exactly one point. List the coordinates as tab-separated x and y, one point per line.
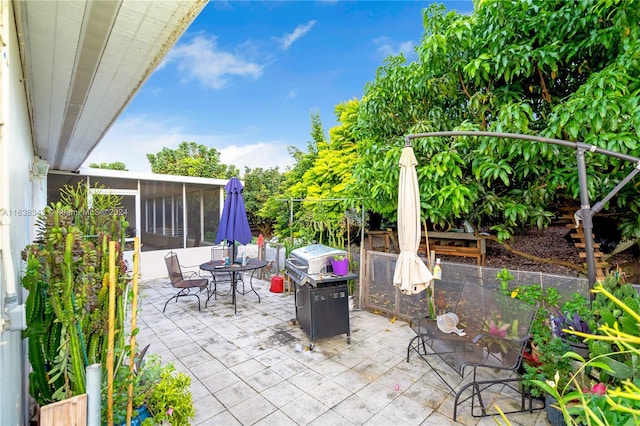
234	269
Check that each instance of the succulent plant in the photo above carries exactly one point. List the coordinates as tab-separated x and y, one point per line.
67	306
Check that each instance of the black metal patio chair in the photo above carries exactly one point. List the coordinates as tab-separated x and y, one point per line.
218	254
186	286
487	341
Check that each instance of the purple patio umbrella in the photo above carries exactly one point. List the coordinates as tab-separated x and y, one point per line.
234	225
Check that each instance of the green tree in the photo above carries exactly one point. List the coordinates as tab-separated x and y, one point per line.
319	183
117	165
332	171
259	186
567	70
327	182
191	159
304	160
293	189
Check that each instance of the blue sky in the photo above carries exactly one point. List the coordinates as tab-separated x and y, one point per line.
246	76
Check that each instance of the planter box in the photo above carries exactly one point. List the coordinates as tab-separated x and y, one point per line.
70	412
554	415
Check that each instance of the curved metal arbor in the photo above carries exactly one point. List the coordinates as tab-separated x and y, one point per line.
586	212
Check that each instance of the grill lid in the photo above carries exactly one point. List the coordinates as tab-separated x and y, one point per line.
314	258
315	251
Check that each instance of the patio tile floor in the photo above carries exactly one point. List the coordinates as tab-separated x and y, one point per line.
245	369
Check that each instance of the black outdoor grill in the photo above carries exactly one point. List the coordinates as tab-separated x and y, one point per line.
321	297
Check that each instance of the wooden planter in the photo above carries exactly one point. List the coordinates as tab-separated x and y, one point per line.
70	412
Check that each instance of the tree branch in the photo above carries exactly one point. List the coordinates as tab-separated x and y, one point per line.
464	88
530	256
545	92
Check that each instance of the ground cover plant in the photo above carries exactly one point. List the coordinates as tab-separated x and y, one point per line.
604	389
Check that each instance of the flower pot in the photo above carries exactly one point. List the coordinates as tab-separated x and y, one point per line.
340	267
143	413
495	352
580	348
510	358
554	415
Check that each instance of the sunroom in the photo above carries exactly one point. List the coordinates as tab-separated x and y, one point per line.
164	211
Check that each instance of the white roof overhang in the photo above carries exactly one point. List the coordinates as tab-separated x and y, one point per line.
84	61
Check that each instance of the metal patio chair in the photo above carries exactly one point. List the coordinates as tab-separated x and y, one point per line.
218	254
186	286
488	343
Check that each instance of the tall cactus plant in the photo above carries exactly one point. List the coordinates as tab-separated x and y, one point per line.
66	307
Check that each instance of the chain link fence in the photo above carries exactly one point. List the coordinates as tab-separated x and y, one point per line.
379	293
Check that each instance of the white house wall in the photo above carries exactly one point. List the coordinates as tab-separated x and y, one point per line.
20	200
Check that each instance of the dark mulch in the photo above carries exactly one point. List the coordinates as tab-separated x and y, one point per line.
551	244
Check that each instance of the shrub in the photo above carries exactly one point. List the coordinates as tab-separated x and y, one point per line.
611	396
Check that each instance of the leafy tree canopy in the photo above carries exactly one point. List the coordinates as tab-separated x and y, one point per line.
560	69
304	160
259	186
325	183
110	166
191	159
293	188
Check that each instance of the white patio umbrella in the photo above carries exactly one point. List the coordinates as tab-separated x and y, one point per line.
411	275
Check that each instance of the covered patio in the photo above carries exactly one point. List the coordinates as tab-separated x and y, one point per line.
248	369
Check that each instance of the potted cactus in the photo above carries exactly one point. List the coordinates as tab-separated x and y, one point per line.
67	305
67	309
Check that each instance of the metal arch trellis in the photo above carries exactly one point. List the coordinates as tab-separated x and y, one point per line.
586	212
290	201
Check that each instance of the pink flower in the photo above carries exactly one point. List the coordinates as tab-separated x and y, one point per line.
497	331
599	389
170	411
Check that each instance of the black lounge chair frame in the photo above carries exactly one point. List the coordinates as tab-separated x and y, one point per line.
478	308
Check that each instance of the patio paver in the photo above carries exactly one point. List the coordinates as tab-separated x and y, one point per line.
245	369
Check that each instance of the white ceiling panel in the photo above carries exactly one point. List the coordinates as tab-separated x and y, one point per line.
84	62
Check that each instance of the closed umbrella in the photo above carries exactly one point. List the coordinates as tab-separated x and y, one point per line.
234	225
411	275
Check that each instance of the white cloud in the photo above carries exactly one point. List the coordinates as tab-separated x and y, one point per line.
387	47
201	59
132	138
292	94
288	39
261	154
